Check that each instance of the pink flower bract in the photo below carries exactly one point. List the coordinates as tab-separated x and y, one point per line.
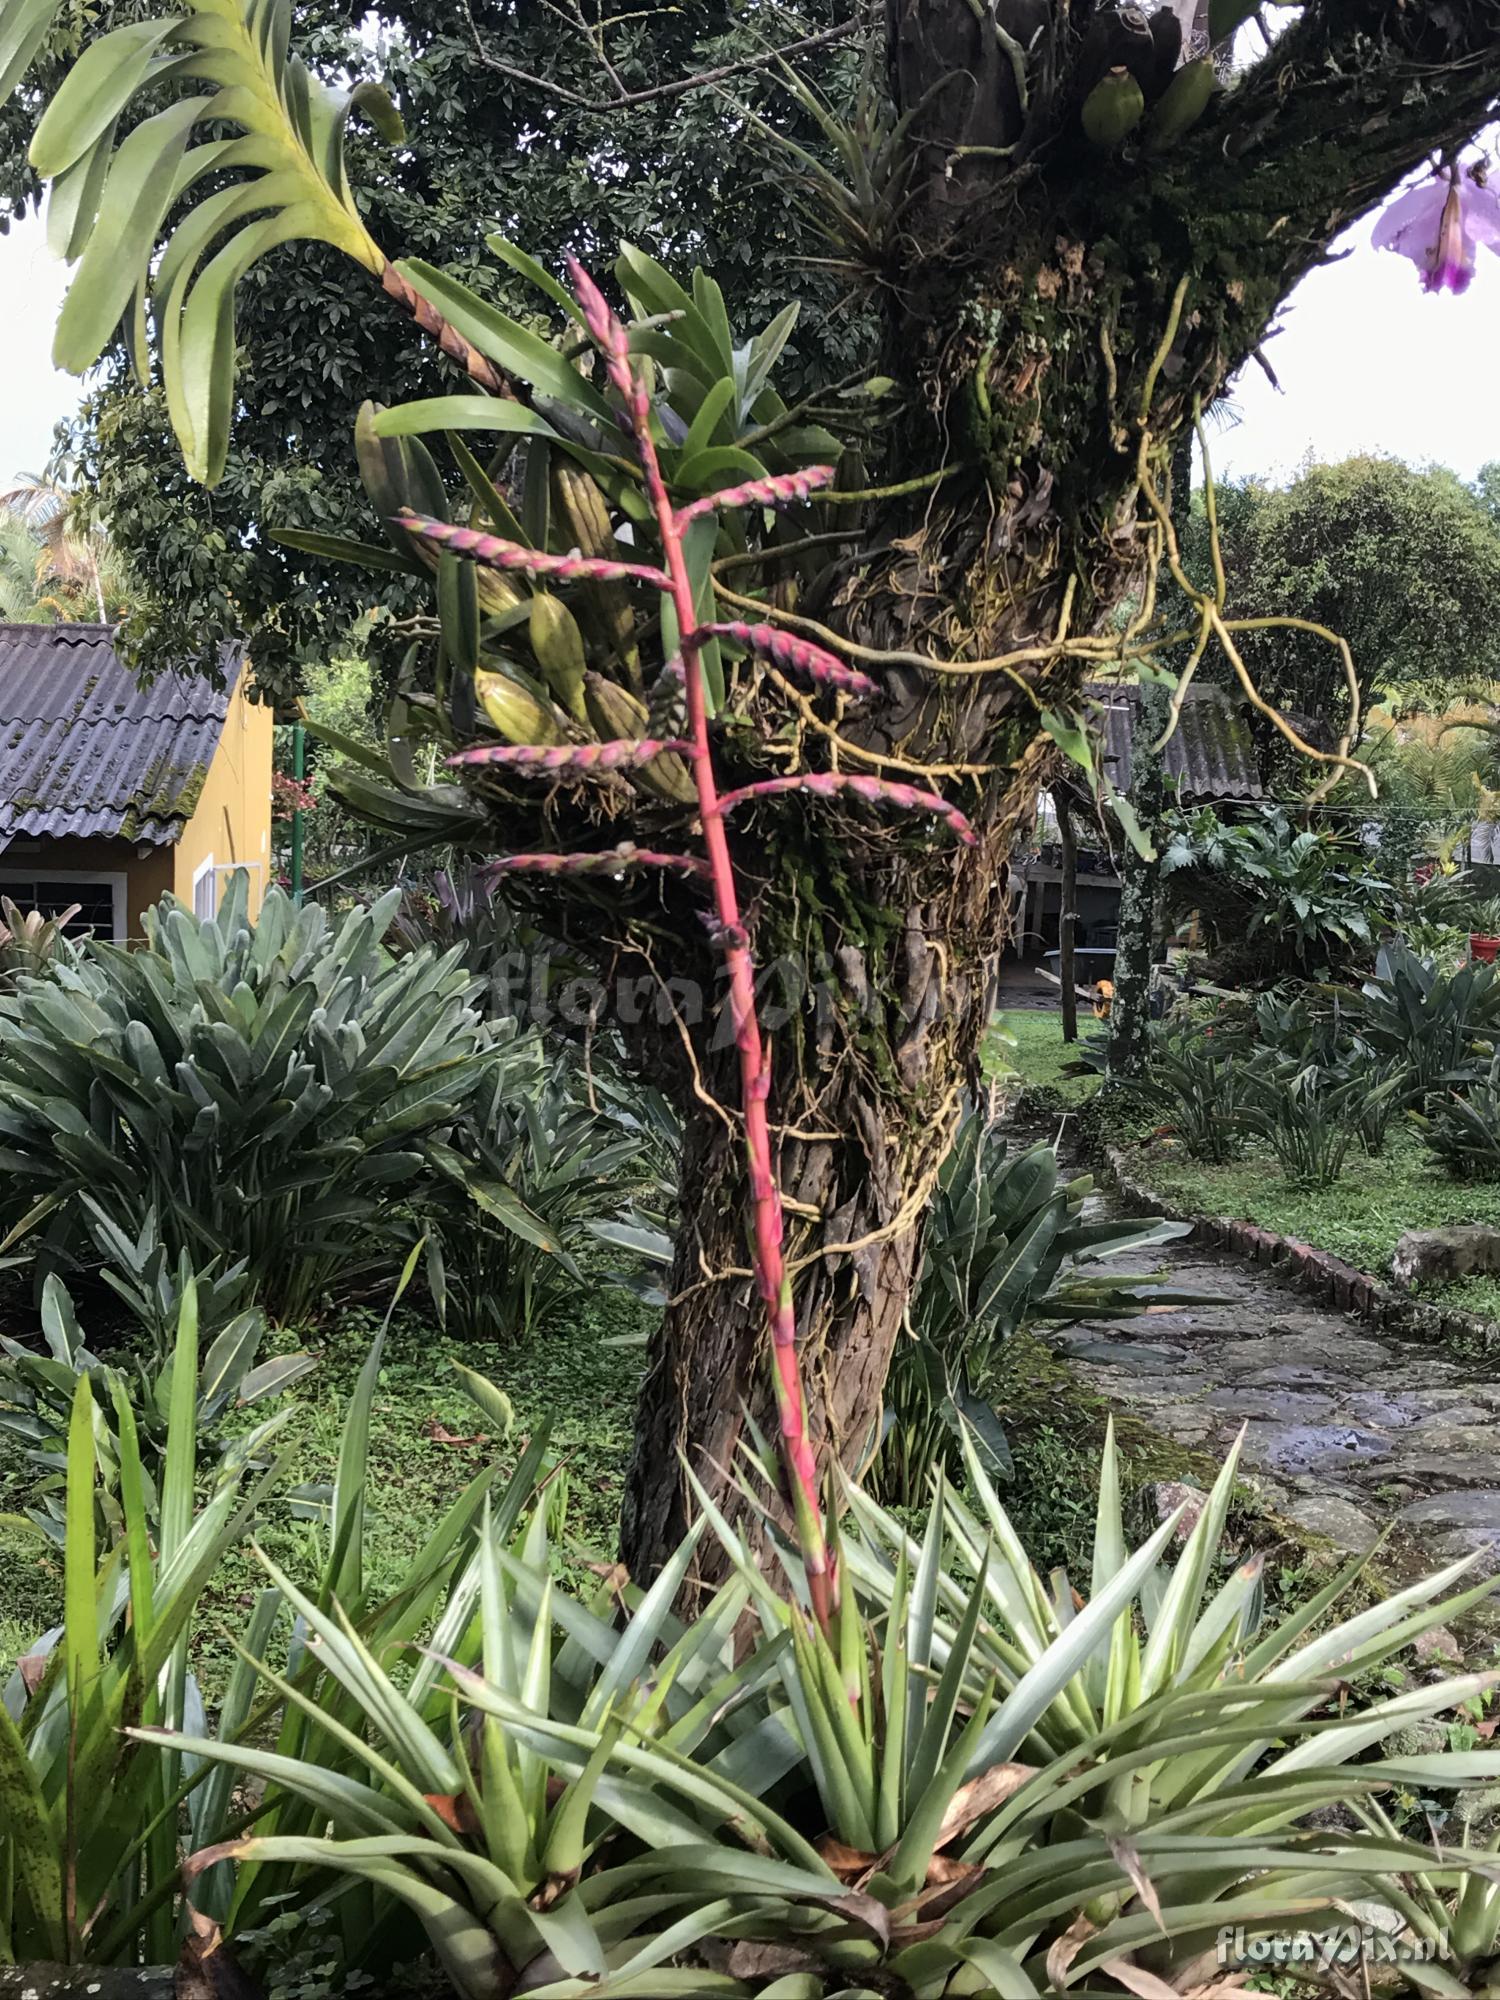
1439	224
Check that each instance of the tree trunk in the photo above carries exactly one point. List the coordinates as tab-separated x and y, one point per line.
869	1068
1135	948
1055	312
1067	921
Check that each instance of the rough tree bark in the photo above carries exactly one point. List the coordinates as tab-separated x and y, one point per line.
1048	303
1067	917
1140	879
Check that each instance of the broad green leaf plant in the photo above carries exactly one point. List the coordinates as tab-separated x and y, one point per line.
266	1090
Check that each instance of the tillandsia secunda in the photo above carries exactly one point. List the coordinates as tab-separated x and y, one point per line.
1440	223
715	867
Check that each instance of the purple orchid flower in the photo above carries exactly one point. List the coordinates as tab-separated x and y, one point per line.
1439	223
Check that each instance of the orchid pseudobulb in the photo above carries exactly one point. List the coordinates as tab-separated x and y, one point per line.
1439	223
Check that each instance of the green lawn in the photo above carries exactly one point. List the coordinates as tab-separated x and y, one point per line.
1360	1218
1042	1056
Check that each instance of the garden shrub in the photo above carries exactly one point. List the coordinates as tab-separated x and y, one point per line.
1430	1020
270	1091
1006	1244
1202	1088
1461	1126
529	1179
974	1780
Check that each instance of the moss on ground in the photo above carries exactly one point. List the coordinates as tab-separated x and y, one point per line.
1044	1060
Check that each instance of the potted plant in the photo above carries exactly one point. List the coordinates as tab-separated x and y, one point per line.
1484	931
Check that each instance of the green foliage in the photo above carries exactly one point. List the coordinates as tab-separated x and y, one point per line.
1293	900
38	1393
682	175
527	1179
1006	1244
269	1091
89	1844
1203	1089
598	1795
1403	563
1361	1218
1461	1125
1046	1063
1429	1020
1304	1115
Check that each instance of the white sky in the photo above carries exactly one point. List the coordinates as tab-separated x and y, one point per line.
1367	362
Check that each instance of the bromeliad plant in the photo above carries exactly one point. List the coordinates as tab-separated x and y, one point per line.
977	1781
1006	1244
89	1841
682	695
266	1090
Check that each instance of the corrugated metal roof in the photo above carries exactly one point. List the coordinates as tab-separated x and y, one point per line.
1211	753
85	750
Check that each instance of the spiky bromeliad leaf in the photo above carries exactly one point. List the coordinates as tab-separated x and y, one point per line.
109	201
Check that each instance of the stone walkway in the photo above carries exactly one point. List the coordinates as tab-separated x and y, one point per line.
1350	1429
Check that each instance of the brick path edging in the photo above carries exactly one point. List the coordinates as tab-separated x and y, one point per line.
1302	1264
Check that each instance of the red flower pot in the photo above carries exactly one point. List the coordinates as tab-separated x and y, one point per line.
1483	950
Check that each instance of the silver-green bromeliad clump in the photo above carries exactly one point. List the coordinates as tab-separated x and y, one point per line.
978	1781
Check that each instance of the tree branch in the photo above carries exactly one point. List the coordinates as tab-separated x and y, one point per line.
625	100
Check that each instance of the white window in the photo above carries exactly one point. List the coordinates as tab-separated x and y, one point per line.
205	889
101	899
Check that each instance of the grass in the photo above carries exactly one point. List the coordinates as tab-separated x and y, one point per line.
569	1375
1042	1057
1361	1218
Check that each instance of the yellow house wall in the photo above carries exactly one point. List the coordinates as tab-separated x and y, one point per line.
232	824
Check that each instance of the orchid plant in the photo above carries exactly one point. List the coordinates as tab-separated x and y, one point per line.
1439	224
683	686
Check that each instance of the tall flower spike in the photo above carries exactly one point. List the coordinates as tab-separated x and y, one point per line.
616	756
614	862
606	330
780	490
1439	224
773	1279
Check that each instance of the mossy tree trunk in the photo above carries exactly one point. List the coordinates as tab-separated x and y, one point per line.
1049	304
1140	880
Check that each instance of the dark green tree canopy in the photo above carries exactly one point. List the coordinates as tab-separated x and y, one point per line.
681	173
1403	561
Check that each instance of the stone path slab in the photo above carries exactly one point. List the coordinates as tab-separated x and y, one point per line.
1347	1432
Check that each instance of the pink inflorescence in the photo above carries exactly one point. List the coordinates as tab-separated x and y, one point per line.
497	553
614	862
617	756
780	490
880	791
597	317
799	656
